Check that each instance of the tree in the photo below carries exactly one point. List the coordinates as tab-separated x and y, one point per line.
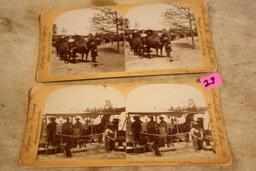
108	21
182	17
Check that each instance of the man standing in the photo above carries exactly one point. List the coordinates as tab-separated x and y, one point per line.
77	132
162	126
51	132
153	129
167	46
67	137
109	137
92	44
151	124
163	131
196	136
136	130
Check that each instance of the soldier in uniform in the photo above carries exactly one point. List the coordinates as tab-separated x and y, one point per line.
167	44
151	124
51	132
67	139
92	44
136	130
164	131
77	132
152	128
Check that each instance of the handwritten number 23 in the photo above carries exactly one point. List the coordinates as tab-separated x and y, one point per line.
207	83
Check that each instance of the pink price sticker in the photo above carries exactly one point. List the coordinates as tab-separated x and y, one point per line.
211	81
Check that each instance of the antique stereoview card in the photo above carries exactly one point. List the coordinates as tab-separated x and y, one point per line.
140	123
127	39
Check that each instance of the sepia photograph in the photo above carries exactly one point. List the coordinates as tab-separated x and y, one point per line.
83	122
88	40
124	124
161	37
124	40
166	121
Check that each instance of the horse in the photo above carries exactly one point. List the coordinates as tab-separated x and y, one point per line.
80	46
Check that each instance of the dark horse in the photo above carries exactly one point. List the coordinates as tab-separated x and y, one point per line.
80	46
152	41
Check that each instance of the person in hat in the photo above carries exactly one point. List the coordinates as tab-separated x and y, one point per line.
136	130
151	124
51	132
154	135
77	129
163	125
92	45
164	131
109	137
196	136
67	137
166	42
67	127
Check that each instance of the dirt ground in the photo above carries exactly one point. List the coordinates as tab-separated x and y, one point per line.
108	60
182	56
181	149
91	151
97	151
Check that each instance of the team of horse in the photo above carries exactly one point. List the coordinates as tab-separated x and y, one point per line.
70	48
74	48
143	41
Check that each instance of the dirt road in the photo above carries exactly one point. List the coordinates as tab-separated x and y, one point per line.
108	60
182	56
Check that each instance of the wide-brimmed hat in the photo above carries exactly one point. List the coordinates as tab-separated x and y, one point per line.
77	119
52	119
161	117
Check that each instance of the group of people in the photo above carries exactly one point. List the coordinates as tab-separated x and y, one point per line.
67	130
68	47
159	134
77	134
152	133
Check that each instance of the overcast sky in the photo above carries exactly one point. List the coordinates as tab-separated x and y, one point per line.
146	98
75	22
148	16
76	99
159	97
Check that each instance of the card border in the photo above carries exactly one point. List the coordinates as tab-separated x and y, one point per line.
198	7
38	96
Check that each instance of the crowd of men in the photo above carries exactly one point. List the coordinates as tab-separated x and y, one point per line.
159	134
78	134
151	134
